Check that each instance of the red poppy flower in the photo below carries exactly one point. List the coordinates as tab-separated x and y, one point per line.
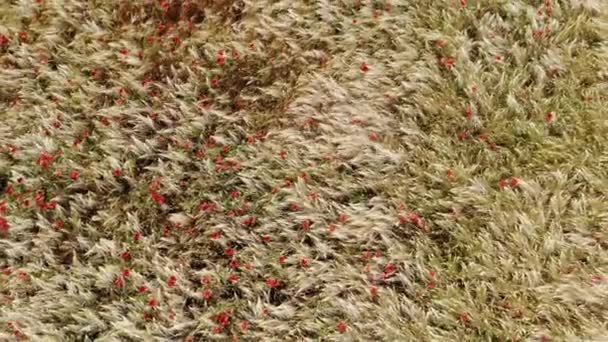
364	67
125	255
223	318
468	112
273	283
389	270
152	302
142	289
415	219
250	221
306	224
45	160
234	263
207	294
74	175
123	51
215	82
514	181
4	226
172	281
116	173
229	251
207	206
233	278
463	317
373	136
200	154
59	224
4	40
341	327
157	197
119	281
244	325
448	62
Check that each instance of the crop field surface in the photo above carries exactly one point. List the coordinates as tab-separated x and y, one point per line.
304	170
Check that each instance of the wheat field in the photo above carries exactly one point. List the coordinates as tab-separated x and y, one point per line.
304	170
